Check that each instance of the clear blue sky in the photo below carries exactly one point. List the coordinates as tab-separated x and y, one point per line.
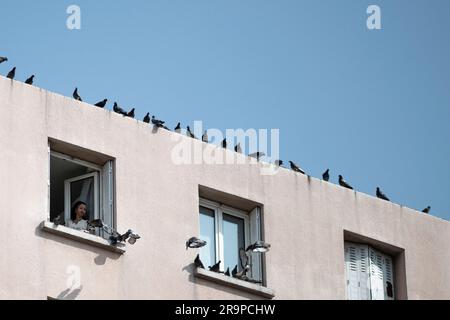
373	106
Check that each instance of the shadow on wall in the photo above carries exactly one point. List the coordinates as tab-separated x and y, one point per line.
103	255
69	294
218	287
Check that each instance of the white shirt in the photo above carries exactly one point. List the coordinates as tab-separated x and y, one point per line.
81	225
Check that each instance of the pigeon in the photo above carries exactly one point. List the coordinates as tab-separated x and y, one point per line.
216	267
326	175
30	80
238	148
244	259
12	73
117	237
381	195
227	273
158	123
234	271
102	103
258	246
3	59
278	163
133	237
178	128
76	96
58	220
205	137
344	183
257	155
195	242
296	168
189	133
198	263
147	118
118	109
131	113
426	210
224	143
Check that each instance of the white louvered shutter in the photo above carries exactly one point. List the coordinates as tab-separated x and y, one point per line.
376	274
255	235
356	260
107	196
389	292
364	275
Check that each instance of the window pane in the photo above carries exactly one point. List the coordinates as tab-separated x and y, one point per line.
83	190
233	240
207	233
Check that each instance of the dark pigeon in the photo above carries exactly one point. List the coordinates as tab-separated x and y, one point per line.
189	133
238	148
279	163
30	80
147	118
426	210
234	271
344	183
131	113
216	267
224	143
118	109
102	103
178	128
12	73
195	242
3	59
381	195
257	155
227	273
296	168
76	96
326	175
158	123
205	137
198	263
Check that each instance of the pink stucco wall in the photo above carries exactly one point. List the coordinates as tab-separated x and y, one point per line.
304	218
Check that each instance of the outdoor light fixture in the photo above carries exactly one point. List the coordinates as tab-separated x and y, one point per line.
259	246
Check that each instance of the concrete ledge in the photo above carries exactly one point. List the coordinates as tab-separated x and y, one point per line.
80	236
234	283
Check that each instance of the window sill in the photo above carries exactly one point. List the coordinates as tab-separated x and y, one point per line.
234	283
80	236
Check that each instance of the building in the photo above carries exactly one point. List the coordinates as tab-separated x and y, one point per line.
327	242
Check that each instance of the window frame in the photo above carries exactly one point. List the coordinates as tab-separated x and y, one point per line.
219	209
67	194
99	189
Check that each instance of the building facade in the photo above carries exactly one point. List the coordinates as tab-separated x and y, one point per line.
327	242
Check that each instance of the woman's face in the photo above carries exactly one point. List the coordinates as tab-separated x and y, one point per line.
80	211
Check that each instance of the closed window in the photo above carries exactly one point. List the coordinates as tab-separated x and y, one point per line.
369	273
227	230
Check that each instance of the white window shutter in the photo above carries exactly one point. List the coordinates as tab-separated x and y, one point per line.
389	292
255	235
356	262
364	275
376	274
107	196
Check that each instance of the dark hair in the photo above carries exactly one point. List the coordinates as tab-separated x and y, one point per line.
73	214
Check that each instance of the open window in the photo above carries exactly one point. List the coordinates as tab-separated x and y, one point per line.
73	179
227	230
